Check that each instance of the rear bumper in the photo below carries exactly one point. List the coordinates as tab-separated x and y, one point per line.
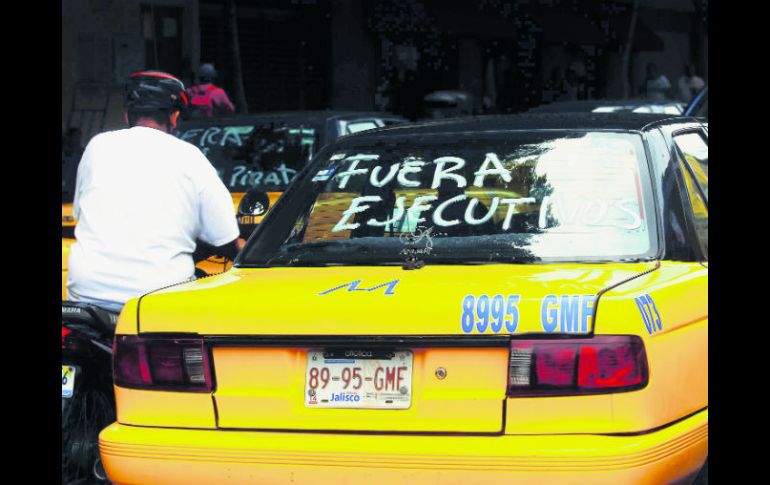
139	455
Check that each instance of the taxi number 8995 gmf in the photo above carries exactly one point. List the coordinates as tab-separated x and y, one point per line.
336	380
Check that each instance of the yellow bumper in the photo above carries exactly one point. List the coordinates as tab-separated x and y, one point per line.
139	455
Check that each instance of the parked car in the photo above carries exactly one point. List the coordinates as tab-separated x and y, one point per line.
671	107
448	104
263	151
490	300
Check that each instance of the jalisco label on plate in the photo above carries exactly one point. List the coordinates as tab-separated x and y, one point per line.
337	380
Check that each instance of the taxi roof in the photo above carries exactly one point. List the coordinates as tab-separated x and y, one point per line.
302	116
531	121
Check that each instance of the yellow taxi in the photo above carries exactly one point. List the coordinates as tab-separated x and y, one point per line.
513	299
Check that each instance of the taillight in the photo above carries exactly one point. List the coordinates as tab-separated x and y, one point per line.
597	365
64	332
163	364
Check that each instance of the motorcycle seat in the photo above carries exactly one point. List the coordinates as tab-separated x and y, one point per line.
92	316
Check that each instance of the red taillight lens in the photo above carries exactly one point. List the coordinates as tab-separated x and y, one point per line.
611	365
595	365
64	333
555	366
172	364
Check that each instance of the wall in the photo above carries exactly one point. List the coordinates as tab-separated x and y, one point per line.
670	61
101	43
352	58
673	25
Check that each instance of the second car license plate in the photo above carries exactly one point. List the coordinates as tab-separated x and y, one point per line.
336	380
67	380
248	219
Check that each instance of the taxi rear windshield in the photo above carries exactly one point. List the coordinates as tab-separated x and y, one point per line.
513	197
263	154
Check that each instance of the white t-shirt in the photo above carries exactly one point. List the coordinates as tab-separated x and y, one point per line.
142	199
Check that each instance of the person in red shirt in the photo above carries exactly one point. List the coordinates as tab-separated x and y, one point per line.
206	99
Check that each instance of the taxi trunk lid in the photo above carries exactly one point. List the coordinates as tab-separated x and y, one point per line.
264	326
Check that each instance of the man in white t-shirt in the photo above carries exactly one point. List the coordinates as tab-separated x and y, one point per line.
143	197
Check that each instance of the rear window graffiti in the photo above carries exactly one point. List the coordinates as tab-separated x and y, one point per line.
265	156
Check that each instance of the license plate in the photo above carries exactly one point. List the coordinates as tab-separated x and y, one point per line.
249	219
334	380
67	380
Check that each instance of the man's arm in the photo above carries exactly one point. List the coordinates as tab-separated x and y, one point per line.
218	227
228	251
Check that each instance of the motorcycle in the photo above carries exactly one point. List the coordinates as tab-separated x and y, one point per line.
88	400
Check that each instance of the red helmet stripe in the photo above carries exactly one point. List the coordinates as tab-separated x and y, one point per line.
154	74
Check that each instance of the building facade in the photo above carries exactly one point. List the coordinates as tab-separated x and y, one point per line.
506	55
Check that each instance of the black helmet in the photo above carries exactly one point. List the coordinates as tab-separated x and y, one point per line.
207	71
154	91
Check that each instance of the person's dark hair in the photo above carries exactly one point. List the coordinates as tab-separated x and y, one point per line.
161	117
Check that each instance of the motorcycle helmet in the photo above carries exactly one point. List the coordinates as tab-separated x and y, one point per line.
154	91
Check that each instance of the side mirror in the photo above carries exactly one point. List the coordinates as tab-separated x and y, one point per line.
254	203
252	207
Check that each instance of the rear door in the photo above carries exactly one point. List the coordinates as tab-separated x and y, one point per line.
692	148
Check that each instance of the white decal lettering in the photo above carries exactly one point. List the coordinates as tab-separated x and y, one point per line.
419	207
438	218
388	177
190	134
471	220
411	166
356	205
484	170
250	178
233	133
397	214
511	206
441	173
286	173
208	136
272	178
591	217
631	211
237	172
352	170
